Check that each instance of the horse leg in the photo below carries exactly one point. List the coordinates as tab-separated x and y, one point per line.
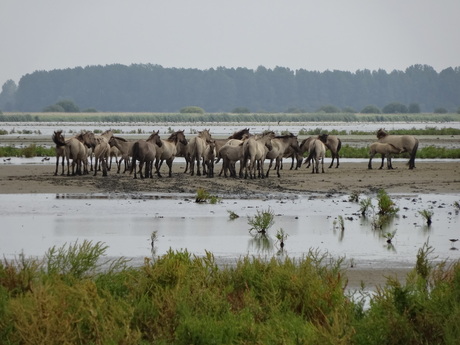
269	167
383	159
198	168
369	165
277	166
333	158
158	163
57	166
169	163
104	166
322	165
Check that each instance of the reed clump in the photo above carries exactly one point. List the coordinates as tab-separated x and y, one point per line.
180	298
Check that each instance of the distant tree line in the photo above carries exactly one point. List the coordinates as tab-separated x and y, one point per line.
153	88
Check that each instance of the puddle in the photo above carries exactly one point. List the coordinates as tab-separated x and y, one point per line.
33	223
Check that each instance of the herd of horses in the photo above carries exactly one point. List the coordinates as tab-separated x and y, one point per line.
202	152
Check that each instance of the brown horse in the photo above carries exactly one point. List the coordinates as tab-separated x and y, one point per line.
386	150
144	151
73	150
406	143
239	135
334	144
168	151
58	139
125	148
255	150
231	153
280	146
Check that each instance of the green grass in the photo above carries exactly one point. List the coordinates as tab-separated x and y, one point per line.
179	298
226	117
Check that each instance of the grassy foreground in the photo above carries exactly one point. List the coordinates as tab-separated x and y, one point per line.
71	297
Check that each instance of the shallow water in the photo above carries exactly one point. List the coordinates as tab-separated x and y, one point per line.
33	223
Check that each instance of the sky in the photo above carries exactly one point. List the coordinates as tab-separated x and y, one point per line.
347	35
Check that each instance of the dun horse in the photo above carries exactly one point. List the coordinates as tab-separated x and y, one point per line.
405	143
280	146
144	151
168	151
195	150
73	150
255	150
386	150
317	153
334	144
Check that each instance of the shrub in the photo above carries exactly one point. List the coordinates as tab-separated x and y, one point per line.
192	110
370	109
262	221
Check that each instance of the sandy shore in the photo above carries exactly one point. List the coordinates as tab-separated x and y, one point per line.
427	178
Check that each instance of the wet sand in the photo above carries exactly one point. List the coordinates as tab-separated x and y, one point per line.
427	178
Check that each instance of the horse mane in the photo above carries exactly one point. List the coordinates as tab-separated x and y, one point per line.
240	134
120	138
285	136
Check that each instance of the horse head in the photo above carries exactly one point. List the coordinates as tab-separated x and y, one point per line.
323	137
58	138
155	138
178	136
381	133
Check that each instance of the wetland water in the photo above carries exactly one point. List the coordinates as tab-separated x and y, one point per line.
32	223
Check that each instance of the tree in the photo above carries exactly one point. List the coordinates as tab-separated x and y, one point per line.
53	109
414	108
68	106
329	109
7	95
370	109
192	110
241	110
394	108
440	110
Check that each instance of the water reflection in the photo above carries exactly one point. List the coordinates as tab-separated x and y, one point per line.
125	223
260	243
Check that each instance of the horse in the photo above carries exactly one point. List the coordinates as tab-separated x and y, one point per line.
209	156
255	149
239	135
406	143
73	150
144	151
386	150
125	148
280	145
114	153
334	144
195	151
168	151
58	138
317	153
303	147
230	153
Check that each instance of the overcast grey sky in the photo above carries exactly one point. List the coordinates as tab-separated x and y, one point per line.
313	35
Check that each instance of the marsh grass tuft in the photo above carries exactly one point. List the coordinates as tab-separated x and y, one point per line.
262	221
232	215
427	215
386	206
203	196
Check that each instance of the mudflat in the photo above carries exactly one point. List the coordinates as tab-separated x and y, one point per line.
432	177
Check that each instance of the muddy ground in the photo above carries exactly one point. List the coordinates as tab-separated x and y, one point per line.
428	177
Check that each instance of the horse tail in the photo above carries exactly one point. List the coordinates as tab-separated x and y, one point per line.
412	154
339	145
